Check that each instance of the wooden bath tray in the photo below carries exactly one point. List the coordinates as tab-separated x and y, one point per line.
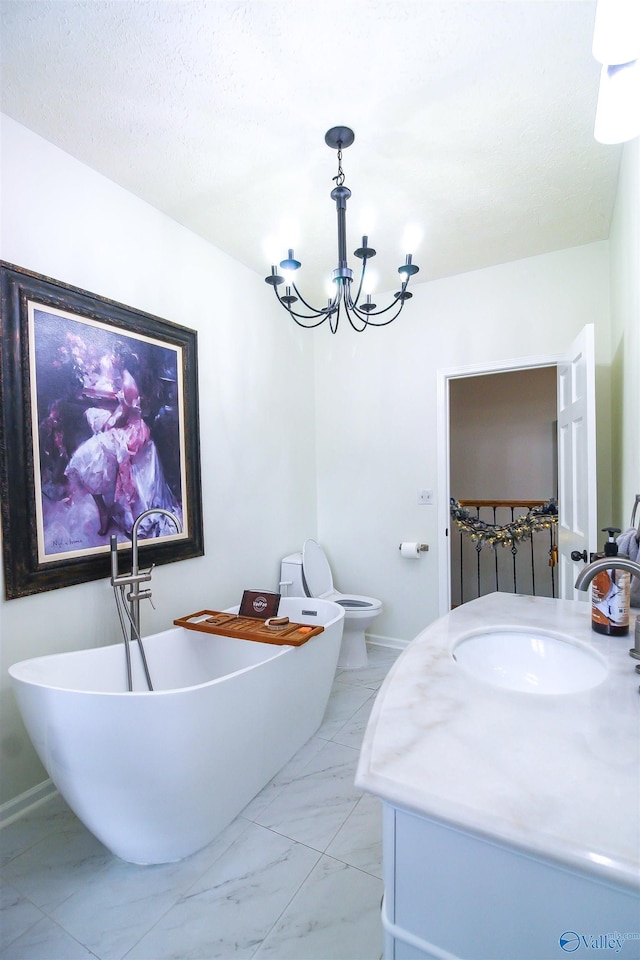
247	628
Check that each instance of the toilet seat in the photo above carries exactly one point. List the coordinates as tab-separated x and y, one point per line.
316	570
319	581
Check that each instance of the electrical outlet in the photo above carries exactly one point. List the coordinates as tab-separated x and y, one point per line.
425	496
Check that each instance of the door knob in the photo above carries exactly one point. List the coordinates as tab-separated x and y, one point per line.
577	555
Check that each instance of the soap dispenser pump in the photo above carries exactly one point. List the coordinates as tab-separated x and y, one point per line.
610	593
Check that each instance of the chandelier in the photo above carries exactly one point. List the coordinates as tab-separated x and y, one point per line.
360	314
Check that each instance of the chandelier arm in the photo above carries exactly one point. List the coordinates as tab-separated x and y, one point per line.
314	313
307	326
354	303
352	312
333	323
314	310
301	316
378	313
383	323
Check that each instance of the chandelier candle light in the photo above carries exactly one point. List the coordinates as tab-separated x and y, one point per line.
360	315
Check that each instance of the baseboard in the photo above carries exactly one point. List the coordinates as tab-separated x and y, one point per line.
392	642
25	802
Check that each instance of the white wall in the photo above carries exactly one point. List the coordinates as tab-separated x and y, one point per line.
625	335
61	219
377	411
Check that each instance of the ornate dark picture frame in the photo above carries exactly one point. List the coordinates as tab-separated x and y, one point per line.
99	421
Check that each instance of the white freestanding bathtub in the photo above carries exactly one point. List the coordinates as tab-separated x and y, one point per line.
157	775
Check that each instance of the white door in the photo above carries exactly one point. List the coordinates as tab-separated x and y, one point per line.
577	489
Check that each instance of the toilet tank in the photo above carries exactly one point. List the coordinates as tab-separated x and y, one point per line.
291	581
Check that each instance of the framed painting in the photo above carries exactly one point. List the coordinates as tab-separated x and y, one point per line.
99	424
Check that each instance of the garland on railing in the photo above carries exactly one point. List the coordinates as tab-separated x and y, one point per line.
505	534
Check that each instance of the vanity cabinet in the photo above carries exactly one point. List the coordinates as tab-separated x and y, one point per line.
452	894
511	814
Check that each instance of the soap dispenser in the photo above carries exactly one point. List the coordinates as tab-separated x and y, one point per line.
610	593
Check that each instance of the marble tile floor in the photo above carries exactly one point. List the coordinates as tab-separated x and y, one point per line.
297	876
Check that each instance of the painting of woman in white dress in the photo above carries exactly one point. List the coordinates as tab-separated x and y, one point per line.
109	433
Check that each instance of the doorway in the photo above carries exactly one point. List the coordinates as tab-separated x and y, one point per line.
576	468
502	462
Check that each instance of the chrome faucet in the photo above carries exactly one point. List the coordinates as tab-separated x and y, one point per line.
137	576
587	574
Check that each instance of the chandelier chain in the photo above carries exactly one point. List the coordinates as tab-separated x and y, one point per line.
339	179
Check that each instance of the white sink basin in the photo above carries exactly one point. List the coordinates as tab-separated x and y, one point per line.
529	661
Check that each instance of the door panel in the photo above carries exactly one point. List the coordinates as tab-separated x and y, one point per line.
577	521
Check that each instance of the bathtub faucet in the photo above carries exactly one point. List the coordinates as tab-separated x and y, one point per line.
137	576
587	574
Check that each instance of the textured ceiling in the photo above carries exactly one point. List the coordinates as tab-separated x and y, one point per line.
473	120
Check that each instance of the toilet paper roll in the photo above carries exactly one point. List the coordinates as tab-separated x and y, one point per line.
410	550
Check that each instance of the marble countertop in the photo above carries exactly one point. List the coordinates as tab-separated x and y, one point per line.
556	775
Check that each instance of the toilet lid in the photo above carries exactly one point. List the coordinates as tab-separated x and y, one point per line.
316	569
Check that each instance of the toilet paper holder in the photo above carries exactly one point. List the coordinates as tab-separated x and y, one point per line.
422	547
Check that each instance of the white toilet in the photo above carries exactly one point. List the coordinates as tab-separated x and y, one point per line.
308	574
